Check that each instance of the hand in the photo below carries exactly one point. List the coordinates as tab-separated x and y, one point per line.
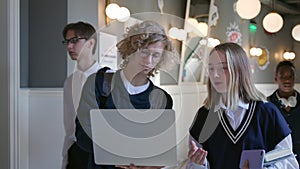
197	155
132	166
246	165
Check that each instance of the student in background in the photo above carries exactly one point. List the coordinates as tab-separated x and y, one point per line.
81	40
235	116
144	50
287	99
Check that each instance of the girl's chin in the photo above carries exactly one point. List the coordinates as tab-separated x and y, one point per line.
146	72
221	90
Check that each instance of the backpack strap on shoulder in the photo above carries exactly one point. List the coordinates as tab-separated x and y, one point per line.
103	85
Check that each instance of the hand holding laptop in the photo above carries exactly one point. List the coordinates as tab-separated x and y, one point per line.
132	166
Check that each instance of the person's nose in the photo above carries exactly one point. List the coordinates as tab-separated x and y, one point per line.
149	59
216	73
287	78
70	45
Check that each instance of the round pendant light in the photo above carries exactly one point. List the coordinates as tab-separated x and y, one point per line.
248	9
112	11
272	22
296	32
289	55
124	14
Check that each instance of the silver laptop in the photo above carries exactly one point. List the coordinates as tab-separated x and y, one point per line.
143	137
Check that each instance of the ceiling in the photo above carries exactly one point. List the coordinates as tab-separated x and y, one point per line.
284	7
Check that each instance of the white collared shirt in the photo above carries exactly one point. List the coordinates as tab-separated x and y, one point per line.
72	92
235	117
133	89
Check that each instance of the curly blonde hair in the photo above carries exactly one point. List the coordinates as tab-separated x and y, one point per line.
142	35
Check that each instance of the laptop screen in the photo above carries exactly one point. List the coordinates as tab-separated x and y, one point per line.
145	137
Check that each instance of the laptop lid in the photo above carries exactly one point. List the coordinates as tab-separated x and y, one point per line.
143	137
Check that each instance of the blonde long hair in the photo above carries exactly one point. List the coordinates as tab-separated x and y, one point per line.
241	85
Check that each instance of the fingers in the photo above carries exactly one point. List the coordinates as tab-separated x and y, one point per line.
150	167
132	166
246	164
197	156
193	145
123	166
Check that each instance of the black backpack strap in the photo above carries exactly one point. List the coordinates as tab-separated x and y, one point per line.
103	86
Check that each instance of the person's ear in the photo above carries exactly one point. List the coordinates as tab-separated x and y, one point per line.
91	43
275	78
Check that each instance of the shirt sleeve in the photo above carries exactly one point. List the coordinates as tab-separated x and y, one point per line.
68	119
288	163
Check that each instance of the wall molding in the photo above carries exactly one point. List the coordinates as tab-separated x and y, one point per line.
14	81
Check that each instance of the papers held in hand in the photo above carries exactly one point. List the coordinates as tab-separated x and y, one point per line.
277	154
258	158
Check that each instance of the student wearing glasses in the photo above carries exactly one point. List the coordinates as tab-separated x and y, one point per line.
81	40
235	116
144	50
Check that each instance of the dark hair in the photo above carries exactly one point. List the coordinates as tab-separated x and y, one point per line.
284	63
82	29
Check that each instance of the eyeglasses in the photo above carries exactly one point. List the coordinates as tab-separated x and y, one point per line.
72	40
147	52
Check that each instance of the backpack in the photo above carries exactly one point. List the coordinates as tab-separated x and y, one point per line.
103	86
102	90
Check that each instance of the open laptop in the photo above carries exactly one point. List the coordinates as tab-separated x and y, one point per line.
143	137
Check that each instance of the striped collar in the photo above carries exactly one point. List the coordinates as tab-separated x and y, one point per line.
235	135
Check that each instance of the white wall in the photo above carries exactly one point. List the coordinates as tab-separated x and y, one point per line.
41	128
42	121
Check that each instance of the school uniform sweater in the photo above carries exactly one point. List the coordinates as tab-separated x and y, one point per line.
263	127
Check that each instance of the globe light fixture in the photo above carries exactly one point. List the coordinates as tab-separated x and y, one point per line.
176	33
124	14
203	28
296	32
255	51
191	24
289	55
272	22
248	9
114	11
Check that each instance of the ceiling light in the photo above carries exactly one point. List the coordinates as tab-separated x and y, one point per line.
112	11
296	32
255	51
289	55
203	28
272	22
248	9
124	14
